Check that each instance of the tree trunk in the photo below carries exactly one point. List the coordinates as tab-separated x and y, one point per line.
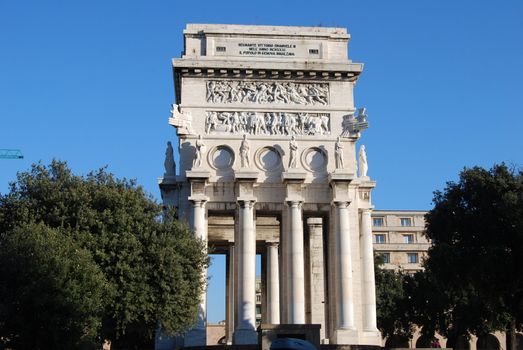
511	335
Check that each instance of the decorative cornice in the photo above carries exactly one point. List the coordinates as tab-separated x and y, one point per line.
246	73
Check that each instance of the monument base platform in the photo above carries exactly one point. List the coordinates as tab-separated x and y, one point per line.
245	337
270	332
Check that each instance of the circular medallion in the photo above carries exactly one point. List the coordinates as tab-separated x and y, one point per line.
268	159
221	157
314	159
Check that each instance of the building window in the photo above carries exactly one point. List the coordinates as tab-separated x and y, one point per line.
385	257
412	258
258	310
377	221
408	239
406	222
258	298
379	239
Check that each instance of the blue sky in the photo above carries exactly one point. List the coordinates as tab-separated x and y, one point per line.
90	82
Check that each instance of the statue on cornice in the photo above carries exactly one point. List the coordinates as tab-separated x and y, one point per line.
363	165
293	145
244	152
200	149
170	166
338	152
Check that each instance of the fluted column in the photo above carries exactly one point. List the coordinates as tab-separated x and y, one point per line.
344	267
296	312
273	284
197	336
367	260
245	332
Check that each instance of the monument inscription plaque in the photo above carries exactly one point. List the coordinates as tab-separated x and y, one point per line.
266	48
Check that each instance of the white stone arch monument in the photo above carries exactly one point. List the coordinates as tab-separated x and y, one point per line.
291	193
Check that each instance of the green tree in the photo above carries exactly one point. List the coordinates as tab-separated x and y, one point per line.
392	305
51	290
476	228
152	266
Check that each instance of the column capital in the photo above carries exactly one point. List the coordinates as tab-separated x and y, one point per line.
272	244
294	203
246	202
342	204
198	200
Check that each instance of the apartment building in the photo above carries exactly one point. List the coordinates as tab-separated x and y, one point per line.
398	237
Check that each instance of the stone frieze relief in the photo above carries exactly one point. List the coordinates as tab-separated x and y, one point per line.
232	91
268	123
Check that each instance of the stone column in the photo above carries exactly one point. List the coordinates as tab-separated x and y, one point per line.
296	306
344	267
316	268
245	332
198	335
367	261
229	306
273	284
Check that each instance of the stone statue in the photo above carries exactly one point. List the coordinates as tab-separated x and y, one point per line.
363	166
244	152
338	152
352	125
181	121
170	166
294	150
200	149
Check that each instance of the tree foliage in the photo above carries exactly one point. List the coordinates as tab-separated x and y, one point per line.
474	266
151	268
392	303
51	290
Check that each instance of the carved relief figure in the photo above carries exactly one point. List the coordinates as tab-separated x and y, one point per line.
293	146
338	152
200	149
230	91
270	123
363	166
244	152
170	166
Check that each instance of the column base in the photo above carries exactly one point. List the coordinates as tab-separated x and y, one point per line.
195	337
245	337
345	337
356	337
370	337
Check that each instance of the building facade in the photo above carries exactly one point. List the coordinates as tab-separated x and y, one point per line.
398	237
